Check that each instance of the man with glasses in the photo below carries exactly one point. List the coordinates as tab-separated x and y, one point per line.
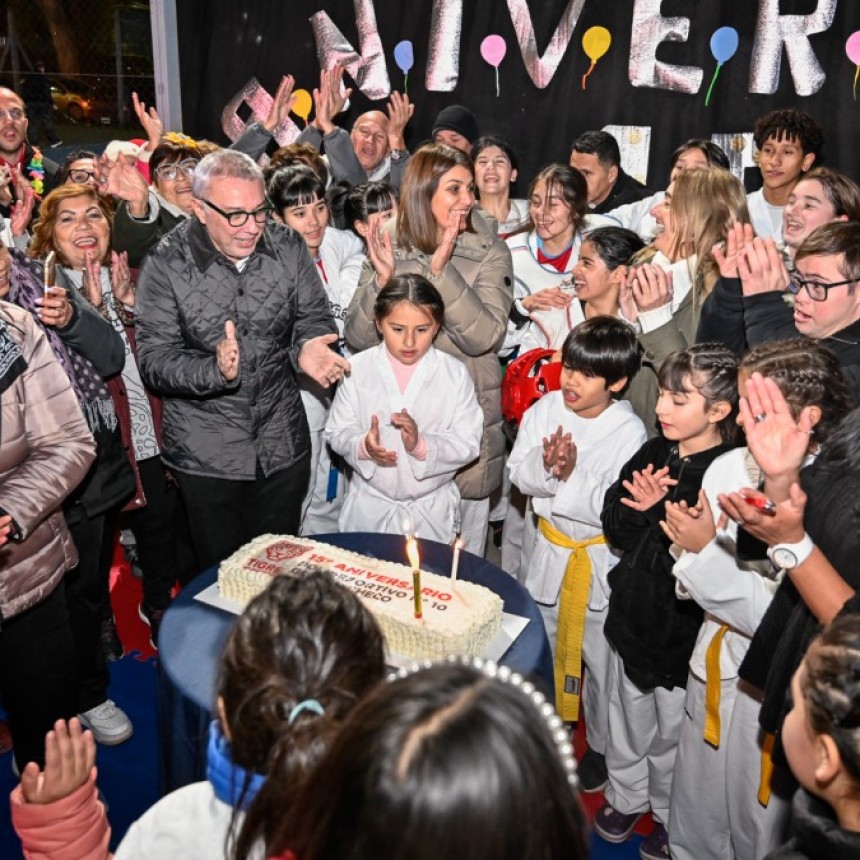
18	155
229	311
145	213
824	291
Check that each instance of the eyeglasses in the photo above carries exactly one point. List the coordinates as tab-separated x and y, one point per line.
81	176
15	114
240	218
171	171
816	290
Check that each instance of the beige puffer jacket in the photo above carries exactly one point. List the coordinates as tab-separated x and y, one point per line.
45	451
477	286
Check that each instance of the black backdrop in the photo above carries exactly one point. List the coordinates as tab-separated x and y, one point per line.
224	44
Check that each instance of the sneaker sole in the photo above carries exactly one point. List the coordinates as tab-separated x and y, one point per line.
594	789
616	838
113	741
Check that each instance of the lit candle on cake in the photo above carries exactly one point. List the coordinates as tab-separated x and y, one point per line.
455	561
412	554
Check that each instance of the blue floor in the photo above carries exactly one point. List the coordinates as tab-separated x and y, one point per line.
128	773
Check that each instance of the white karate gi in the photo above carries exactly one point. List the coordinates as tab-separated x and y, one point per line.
603	445
440	396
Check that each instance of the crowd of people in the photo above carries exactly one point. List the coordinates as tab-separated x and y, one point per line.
201	345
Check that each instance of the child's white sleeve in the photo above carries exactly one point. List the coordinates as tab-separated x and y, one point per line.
525	462
451	447
344	429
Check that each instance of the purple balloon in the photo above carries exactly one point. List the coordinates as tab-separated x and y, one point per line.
403	56
724	43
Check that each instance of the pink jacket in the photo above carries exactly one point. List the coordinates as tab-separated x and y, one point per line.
73	828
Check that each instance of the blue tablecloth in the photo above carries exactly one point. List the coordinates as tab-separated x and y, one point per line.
192	636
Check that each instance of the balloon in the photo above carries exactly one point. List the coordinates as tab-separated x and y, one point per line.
493	49
852	48
724	43
596	42
403	56
302	104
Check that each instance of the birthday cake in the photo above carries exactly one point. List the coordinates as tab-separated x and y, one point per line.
457	618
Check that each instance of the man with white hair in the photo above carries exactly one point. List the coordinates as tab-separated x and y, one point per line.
229	311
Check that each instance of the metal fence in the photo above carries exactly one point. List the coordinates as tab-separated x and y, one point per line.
95	53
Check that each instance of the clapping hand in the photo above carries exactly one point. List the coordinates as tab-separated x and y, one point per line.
380	249
227	353
70	757
120	279
281	104
690	528
5	528
322	364
372	444
761	268
647	487
22	210
726	255
404	422
445	249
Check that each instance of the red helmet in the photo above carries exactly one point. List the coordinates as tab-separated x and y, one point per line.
526	380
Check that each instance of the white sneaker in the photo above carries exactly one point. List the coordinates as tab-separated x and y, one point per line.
108	723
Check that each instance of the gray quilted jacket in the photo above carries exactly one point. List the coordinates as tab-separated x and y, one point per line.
187	290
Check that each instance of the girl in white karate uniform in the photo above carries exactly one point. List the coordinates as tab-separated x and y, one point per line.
714	811
406	419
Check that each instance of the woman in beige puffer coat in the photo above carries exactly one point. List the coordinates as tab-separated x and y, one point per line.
441	236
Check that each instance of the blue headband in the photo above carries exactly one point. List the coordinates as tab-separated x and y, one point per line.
306	705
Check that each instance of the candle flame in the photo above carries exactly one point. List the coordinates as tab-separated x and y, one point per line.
412	552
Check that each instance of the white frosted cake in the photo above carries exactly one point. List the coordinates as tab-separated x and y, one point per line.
457	618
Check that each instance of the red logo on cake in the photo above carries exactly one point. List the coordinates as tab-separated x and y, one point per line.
284	549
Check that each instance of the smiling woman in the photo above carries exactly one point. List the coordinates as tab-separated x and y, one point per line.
439	235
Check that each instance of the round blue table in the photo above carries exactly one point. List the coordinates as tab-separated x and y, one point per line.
192	635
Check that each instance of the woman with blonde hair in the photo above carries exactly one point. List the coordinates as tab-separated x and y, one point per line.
663	295
440	235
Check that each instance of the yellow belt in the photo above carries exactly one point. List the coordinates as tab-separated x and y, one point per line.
713	688
766	768
571	619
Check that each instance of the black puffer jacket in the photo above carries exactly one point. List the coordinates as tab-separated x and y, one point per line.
186	292
653	631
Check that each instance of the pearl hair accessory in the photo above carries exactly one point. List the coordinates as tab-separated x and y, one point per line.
505	674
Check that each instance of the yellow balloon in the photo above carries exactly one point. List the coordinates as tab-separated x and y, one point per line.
596	42
302	104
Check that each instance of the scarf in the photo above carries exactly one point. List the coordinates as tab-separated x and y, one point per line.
232	784
93	396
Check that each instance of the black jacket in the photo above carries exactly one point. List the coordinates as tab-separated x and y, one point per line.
816	834
626	190
653	631
186	292
742	322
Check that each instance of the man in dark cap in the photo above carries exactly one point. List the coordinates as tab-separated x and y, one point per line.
456	126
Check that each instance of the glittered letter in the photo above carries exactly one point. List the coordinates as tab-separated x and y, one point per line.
443	61
368	68
772	32
541	69
260	102
649	29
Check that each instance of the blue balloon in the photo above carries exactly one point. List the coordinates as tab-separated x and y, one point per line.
724	43
403	56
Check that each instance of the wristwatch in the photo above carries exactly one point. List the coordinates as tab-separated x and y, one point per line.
789	555
398	154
